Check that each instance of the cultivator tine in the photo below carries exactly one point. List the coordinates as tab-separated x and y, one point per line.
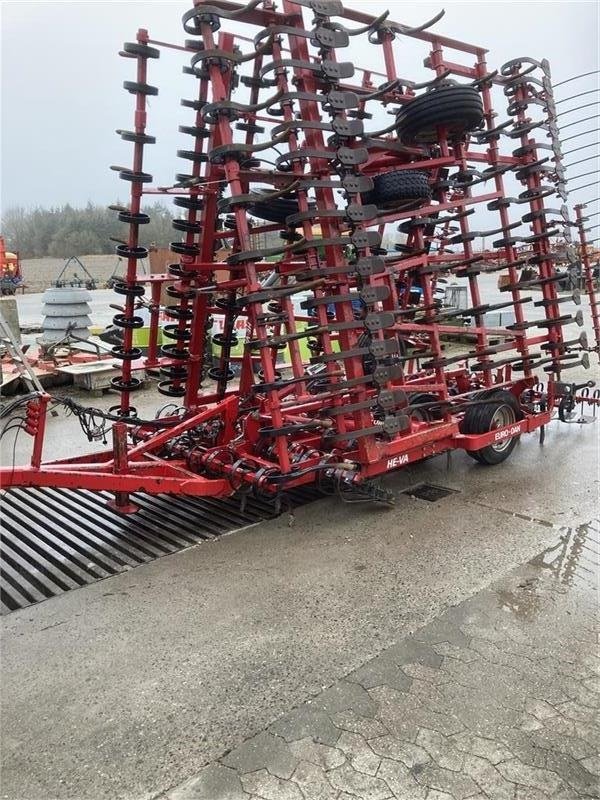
589	282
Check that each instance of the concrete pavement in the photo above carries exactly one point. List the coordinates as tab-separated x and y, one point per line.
498	697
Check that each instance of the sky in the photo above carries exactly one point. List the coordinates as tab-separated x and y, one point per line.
62	100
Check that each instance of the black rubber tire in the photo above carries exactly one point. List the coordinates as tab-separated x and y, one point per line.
407	187
271	213
458	108
425	414
481	419
369	362
274	210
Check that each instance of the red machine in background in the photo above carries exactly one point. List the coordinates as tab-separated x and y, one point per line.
285	129
11	277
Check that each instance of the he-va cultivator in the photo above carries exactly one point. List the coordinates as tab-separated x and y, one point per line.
297	162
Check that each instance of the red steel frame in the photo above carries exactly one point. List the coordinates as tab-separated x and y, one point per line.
217	444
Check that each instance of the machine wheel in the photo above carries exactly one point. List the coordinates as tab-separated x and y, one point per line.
274	210
458	108
407	187
369	362
424	414
486	417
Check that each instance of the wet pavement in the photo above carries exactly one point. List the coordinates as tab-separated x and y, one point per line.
497	697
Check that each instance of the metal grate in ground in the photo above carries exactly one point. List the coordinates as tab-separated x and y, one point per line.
56	540
429	492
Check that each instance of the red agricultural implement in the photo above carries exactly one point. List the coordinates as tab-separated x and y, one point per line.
352	367
11	277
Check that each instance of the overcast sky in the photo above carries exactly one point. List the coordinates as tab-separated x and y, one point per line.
62	98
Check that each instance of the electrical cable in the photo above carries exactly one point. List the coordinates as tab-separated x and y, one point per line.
93	421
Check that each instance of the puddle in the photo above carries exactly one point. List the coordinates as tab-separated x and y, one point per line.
574	561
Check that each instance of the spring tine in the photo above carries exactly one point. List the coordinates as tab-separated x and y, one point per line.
582	161
574	96
576	136
579	188
214	11
576	77
428	84
579	121
381	90
488	78
578	108
577	149
365	28
407	31
596	403
583	175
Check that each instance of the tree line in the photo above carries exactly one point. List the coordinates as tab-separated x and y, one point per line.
66	231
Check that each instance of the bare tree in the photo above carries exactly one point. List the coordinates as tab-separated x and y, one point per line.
68	231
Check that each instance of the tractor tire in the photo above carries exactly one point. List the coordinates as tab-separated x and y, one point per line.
459	109
274	210
408	188
425	414
488	416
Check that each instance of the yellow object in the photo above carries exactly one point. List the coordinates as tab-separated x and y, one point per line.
141	337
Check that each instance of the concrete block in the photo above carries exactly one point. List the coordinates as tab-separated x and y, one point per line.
10	312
